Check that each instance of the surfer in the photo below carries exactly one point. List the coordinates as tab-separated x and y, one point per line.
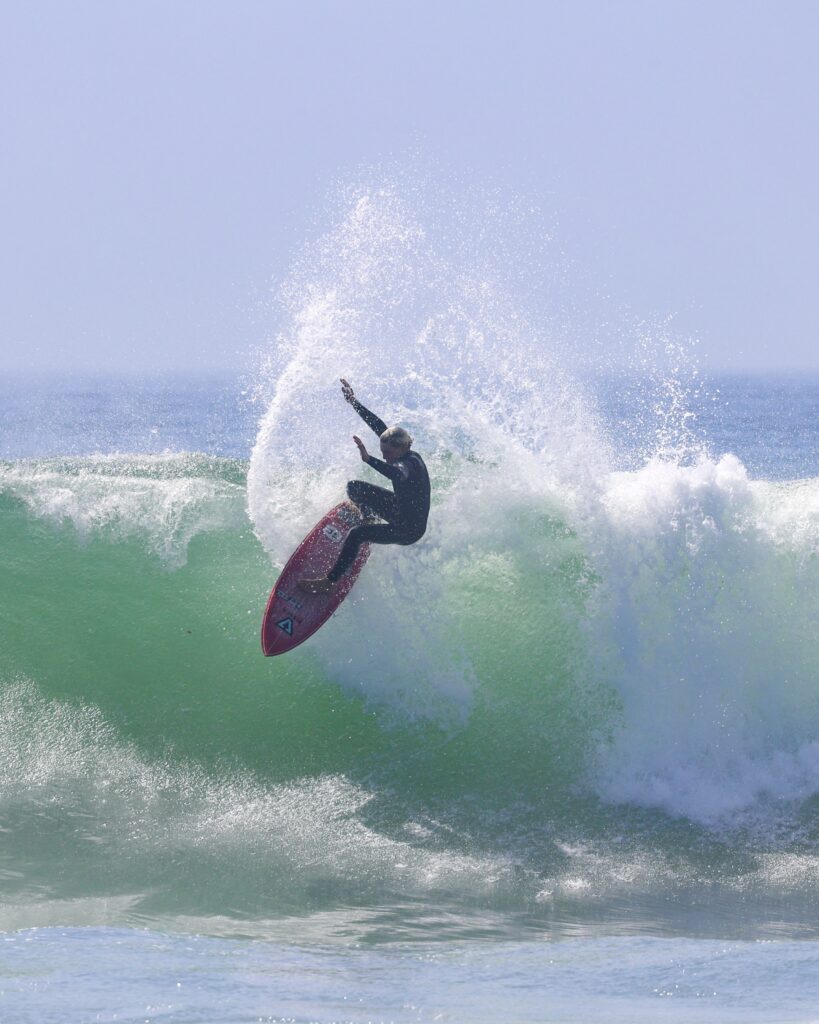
404	511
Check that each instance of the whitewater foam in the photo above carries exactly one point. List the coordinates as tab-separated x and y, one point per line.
132	815
162	500
709	598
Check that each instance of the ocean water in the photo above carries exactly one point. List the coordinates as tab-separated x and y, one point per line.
557	762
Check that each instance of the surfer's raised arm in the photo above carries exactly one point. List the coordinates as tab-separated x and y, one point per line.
404	512
392	470
375	424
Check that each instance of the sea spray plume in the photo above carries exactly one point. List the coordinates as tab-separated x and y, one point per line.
388	300
430	340
652	384
669	374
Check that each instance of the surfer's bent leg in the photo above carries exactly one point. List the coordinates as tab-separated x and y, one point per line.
367	533
375	502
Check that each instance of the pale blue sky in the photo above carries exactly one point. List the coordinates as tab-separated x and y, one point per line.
162	162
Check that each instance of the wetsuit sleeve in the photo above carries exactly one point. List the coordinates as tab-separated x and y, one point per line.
372	421
396	471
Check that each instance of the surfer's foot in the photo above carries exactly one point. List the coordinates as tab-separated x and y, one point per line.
362	512
320	586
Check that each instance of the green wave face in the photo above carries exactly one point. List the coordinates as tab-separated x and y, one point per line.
163	639
155	760
497	722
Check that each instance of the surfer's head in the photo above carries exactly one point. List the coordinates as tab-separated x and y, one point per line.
395	442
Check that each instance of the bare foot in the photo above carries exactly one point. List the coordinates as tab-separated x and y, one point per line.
320	586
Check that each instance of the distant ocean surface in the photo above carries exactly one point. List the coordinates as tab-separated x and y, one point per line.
558	762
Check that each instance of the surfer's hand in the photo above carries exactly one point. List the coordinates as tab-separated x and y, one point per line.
362	451
347	391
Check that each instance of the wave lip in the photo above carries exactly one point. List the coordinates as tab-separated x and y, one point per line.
162	500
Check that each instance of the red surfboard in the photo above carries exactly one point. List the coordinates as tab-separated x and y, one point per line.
292	615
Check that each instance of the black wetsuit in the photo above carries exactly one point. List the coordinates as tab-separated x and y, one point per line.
405	511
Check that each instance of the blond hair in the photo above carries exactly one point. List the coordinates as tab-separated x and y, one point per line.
397	437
